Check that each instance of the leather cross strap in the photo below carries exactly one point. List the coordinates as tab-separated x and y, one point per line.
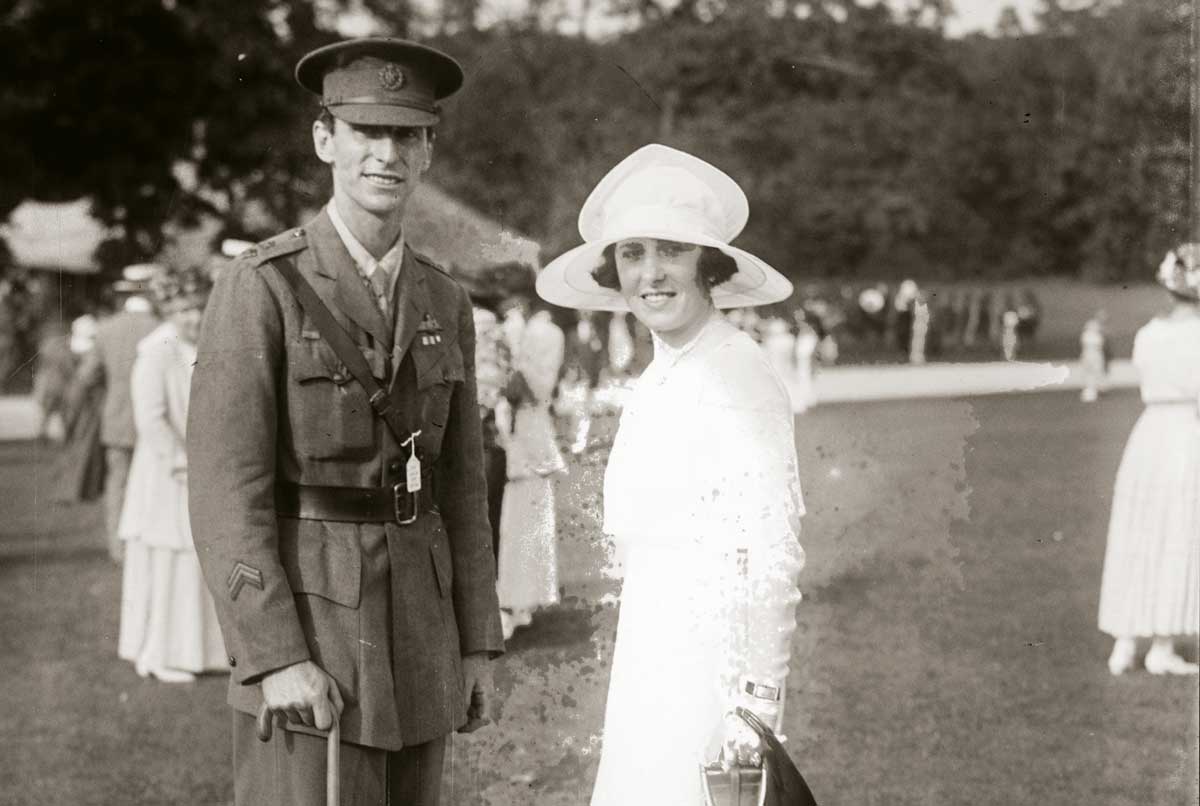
343	346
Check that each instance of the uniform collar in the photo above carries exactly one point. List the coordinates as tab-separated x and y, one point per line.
366	263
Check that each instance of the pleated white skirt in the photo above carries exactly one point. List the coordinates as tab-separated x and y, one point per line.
168	620
664	710
1151	581
527	565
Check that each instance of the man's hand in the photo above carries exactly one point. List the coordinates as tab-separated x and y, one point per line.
302	694
478	689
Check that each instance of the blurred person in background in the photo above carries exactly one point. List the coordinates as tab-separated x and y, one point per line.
493	366
956	318
779	345
903	310
620	345
919	336
514	311
806	347
53	371
527	566
976	317
1029	313
168	623
78	470
111	363
17	322
1150	587
1010	341
997	306
584	364
1093	357
701	494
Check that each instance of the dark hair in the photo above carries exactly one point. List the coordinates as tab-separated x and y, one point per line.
714	268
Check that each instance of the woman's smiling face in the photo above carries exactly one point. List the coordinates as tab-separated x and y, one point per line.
661	282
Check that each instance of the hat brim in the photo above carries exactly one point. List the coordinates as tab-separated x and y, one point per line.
380	115
567	280
446	72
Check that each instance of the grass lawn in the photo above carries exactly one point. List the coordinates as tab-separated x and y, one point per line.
947	652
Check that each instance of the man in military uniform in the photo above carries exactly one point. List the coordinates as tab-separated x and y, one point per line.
341	520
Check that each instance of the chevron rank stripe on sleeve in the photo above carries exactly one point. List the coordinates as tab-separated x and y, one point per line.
241	576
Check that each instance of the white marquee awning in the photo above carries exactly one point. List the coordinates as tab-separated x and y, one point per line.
60	236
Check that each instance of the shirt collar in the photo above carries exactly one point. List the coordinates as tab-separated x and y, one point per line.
359	254
670	356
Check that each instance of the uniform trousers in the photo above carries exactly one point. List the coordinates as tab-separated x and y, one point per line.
289	770
116	475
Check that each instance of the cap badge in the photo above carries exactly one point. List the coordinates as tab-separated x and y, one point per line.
391	77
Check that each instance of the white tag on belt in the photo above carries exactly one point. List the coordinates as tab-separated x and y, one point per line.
412	468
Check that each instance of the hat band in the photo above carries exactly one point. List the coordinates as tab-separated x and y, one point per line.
374	100
631	222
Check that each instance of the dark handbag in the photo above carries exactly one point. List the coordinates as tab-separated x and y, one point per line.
784	784
776	783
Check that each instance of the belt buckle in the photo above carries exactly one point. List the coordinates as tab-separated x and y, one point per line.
404	504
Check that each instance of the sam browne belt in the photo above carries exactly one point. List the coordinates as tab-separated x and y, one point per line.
394	504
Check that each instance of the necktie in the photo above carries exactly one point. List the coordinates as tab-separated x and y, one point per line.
380	286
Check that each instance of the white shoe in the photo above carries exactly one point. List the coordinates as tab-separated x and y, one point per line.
173	675
1123	653
1167	662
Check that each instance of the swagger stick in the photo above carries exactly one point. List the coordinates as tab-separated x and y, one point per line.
333	765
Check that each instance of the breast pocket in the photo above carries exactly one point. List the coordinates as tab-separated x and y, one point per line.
439	374
331	416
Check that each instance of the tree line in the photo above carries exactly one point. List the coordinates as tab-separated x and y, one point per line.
869	143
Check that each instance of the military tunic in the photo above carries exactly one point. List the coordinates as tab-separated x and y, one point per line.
387	610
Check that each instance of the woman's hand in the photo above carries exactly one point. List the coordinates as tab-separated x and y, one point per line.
740	746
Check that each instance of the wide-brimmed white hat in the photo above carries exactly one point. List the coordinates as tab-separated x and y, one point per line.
660	192
1179	272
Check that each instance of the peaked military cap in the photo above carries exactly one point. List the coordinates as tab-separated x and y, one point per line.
380	81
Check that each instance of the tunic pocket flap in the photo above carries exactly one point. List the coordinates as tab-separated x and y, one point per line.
439	364
322	559
312	359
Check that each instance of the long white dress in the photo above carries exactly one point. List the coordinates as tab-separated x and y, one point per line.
702	480
1151	581
527	566
168	620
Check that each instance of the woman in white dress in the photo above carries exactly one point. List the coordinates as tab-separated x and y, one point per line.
527	562
1151	583
168	622
701	493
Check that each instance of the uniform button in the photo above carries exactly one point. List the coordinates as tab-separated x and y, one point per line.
395	467
232	661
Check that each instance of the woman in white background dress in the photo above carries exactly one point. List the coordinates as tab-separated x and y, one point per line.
168	622
527	563
701	493
1151	583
